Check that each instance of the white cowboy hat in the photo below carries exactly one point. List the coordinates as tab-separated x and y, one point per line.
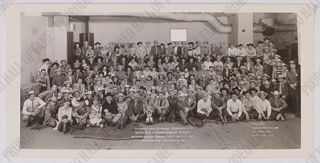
276	93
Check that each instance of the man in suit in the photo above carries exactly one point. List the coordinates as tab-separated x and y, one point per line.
172	105
135	108
177	50
155	50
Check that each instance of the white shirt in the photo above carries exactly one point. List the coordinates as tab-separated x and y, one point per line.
207	65
30	106
64	111
234	106
216	64
257	102
44	66
242	52
251	52
233	51
265	106
204	105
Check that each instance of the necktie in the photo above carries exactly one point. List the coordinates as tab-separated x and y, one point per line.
32	107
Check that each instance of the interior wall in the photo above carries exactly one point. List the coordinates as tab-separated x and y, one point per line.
130	32
281	39
32	29
245	28
79	28
53	45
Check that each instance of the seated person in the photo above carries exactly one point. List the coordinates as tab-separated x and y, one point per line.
109	109
248	106
172	99
182	107
162	106
64	118
265	106
50	112
219	105
80	114
95	117
191	103
121	118
204	107
135	108
32	109
235	108
278	105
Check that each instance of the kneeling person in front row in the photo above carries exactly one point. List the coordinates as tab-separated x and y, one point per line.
64	118
204	108
32	109
234	108
249	107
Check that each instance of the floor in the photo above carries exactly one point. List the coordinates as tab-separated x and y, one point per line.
240	135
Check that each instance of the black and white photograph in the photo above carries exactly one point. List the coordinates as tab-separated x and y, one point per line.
160	80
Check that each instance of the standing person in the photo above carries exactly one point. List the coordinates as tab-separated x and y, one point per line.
32	109
140	52
64	118
204	107
45	65
292	78
84	49
77	52
232	51
251	51
155	50
44	81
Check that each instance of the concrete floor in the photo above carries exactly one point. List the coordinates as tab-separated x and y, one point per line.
240	135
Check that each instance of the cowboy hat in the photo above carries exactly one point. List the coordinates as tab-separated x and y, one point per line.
275	93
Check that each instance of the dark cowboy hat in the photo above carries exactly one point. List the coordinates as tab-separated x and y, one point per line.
169	43
234	93
224	89
236	89
109	94
253	89
97	43
45	60
250	44
55	63
245	92
143	88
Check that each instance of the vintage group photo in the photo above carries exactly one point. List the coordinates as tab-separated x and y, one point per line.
173	80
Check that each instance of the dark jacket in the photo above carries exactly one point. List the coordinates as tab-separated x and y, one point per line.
135	109
111	107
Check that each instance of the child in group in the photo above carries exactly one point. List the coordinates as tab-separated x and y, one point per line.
95	114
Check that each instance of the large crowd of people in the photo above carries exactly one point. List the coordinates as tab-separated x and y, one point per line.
177	82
